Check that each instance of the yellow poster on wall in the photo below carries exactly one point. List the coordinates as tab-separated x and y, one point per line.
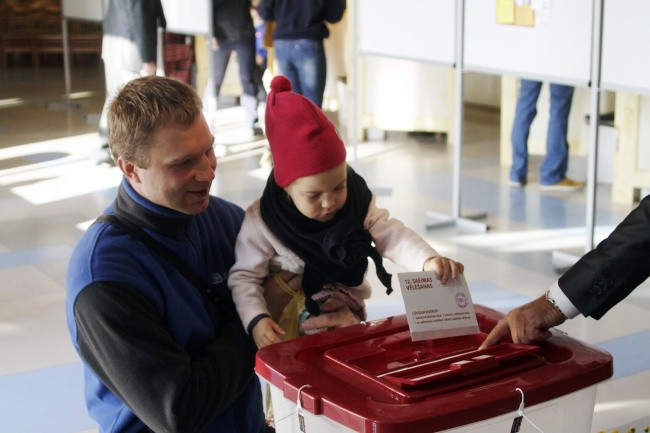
524	16
505	11
519	13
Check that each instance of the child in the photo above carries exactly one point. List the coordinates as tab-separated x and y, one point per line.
316	217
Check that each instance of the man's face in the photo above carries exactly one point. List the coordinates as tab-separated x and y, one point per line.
181	168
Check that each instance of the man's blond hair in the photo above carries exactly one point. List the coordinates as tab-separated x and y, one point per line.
141	108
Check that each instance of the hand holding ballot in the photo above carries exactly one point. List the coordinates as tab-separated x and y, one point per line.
445	268
435	309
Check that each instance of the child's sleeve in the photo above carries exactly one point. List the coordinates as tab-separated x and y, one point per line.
395	241
253	252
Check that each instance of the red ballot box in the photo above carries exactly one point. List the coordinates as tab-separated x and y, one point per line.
372	378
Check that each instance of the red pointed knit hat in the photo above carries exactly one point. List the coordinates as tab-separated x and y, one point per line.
303	140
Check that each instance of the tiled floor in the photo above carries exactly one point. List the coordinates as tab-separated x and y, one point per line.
49	191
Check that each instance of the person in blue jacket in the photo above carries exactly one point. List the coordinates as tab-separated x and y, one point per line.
158	353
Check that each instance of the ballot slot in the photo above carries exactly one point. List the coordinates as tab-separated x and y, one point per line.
414	370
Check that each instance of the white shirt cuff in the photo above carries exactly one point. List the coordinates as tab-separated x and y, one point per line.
567	307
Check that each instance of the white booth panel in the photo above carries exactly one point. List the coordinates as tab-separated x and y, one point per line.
421	30
625	60
556	48
188	17
88	10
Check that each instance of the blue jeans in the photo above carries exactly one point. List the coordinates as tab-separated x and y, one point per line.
556	161
245	49
303	62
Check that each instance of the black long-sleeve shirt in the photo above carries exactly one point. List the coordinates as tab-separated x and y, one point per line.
301	19
138	21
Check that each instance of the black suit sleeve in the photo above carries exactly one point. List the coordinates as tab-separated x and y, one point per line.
606	275
122	339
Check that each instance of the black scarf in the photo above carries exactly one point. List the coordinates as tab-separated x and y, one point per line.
333	251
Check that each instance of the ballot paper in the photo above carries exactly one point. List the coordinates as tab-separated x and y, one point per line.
436	310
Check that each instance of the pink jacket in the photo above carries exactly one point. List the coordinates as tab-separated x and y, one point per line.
259	252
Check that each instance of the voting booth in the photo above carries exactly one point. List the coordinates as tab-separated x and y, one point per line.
406	77
373	378
625	69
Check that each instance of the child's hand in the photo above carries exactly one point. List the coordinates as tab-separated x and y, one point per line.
444	268
266	332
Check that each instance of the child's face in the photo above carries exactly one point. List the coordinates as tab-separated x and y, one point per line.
321	195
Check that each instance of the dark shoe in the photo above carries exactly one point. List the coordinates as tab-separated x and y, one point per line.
106	161
257	131
102	156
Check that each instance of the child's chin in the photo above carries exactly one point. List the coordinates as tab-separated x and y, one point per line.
325	218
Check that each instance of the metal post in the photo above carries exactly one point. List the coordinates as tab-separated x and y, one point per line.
353	85
468	222
458	111
66	58
592	159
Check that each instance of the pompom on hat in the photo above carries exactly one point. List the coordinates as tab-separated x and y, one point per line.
303	140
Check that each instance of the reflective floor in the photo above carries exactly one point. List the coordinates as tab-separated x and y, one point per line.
50	191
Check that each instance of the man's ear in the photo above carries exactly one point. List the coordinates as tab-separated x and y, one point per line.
129	169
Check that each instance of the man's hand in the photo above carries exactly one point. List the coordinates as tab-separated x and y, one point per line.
526	324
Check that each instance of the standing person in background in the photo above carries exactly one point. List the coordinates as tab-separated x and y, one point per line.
234	31
597	282
555	165
298	41
261	54
129	48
